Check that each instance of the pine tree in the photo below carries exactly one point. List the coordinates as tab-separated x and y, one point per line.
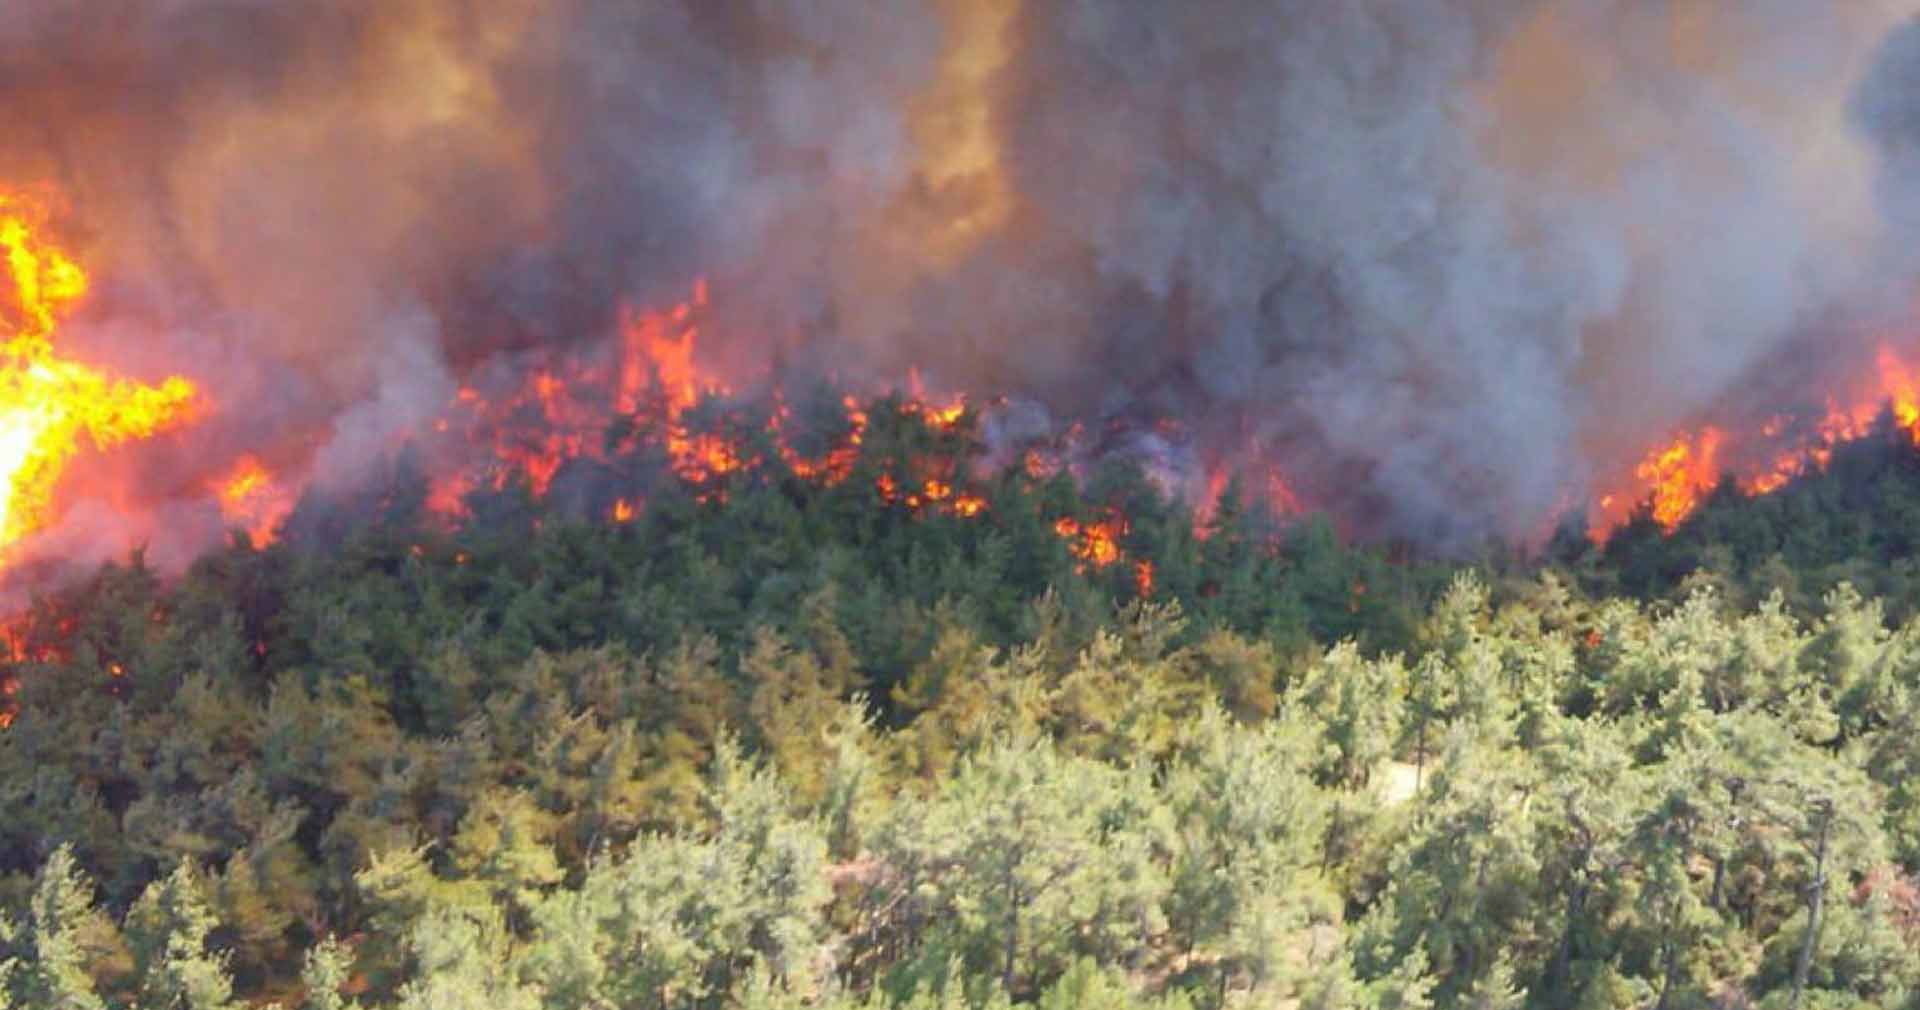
60	918
1357	703
460	964
325	976
1024	858
1242	883
167	930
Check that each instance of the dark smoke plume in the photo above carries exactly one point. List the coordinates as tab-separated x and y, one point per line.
1443	262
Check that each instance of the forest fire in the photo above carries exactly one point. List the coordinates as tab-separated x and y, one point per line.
564	411
252	500
823	503
47	403
1095	543
1679	474
1431	320
647	389
1674	479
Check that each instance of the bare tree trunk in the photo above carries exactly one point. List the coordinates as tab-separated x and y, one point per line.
1561	968
1816	901
1013	932
1670	947
1420	758
1670	958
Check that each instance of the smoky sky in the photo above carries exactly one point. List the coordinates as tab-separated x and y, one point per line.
1446	263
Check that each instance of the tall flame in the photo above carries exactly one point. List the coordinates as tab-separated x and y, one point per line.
1680	473
47	403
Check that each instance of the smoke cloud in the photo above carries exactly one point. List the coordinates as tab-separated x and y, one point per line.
1444	263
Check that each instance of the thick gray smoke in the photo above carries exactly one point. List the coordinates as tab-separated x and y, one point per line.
1445	264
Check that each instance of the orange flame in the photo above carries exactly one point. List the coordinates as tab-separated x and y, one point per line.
48	403
564	411
1679	474
1676	477
1096	543
837	463
562	414
250	499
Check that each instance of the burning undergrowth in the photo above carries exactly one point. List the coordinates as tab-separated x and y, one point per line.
1446	271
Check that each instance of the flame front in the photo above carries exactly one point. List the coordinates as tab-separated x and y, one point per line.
47	403
565	409
1673	479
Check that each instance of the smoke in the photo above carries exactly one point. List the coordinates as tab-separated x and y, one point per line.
1444	263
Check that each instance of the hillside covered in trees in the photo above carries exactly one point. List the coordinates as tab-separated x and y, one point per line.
792	746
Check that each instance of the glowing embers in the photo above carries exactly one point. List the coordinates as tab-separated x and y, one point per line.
929	496
1096	545
47	404
942	416
1143	578
836	464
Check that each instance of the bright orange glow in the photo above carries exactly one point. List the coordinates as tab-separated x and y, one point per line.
704	457
560	414
251	500
653	390
1096	544
21	647
1281	497
445	496
1679	474
833	467
940	417
48	403
659	348
10	686
1208	506
1676	477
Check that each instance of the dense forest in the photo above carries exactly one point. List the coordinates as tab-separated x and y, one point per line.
782	743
